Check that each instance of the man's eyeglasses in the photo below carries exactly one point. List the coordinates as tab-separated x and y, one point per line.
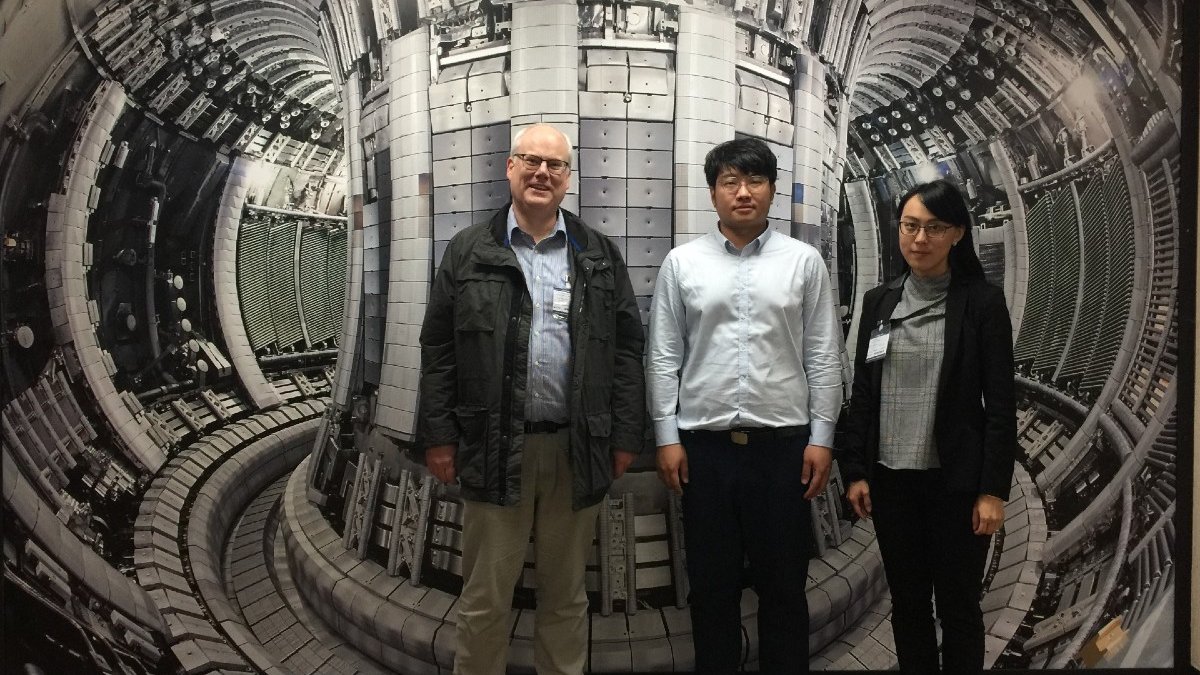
733	183
556	167
932	230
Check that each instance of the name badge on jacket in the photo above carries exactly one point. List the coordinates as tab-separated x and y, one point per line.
877	347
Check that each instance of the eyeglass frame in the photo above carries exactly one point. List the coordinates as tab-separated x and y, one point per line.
941	232
727	183
563	166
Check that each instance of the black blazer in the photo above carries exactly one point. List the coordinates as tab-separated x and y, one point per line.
975	426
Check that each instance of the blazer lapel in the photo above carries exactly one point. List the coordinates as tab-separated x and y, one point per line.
883	312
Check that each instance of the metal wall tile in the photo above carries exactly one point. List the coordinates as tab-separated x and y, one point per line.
488	85
595	133
647	251
645	222
449	118
779	107
648	81
649	192
602	163
452	171
490	111
649	59
608	79
602	192
447	93
642	279
606	57
446	225
455	144
751	123
608	220
649	164
489	195
779	131
494	138
754	100
651	107
650	135
489	167
487	66
601	105
452	198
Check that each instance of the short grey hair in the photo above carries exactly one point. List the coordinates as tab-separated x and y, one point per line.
516	141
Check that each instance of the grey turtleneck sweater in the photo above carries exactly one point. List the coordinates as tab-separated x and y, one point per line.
908	391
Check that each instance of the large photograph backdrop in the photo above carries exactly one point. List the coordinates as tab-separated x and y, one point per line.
220	224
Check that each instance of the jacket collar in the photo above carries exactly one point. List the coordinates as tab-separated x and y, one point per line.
495	250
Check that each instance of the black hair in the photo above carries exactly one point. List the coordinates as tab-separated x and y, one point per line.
944	200
747	155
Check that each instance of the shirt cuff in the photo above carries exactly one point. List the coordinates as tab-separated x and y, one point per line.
820	432
666	431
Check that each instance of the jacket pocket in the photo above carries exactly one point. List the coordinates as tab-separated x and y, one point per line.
599	424
599	427
471	460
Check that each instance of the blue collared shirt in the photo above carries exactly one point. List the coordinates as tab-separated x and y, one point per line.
547	267
744	339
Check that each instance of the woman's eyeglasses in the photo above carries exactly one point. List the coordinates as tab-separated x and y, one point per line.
932	230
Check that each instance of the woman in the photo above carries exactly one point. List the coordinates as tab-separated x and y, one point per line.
930	435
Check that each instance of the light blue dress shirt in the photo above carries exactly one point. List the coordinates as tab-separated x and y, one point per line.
546	266
744	339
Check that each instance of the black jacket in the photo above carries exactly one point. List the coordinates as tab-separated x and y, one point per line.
475	349
975	428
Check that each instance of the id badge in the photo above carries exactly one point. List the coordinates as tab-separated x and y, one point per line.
560	303
877	347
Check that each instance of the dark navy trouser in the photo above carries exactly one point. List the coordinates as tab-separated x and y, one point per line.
746	502
929	551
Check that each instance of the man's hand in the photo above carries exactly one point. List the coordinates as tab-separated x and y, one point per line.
439	459
988	515
859	496
672	466
621	461
818	460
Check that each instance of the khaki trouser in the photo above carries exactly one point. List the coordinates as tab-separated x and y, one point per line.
495	539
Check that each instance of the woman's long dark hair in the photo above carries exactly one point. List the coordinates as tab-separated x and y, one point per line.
944	200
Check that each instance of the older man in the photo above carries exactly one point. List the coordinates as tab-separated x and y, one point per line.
532	397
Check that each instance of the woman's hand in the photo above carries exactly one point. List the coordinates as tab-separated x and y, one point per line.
859	495
988	515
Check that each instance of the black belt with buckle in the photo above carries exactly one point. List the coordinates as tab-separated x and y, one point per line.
747	435
544	427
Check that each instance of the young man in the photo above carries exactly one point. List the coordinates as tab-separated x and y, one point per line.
532	396
744	379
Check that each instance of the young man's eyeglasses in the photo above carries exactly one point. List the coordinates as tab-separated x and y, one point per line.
556	167
753	183
932	230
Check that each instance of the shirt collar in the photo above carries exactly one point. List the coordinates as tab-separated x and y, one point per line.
753	247
515	233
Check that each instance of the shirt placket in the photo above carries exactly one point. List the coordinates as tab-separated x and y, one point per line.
743	332
538	352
